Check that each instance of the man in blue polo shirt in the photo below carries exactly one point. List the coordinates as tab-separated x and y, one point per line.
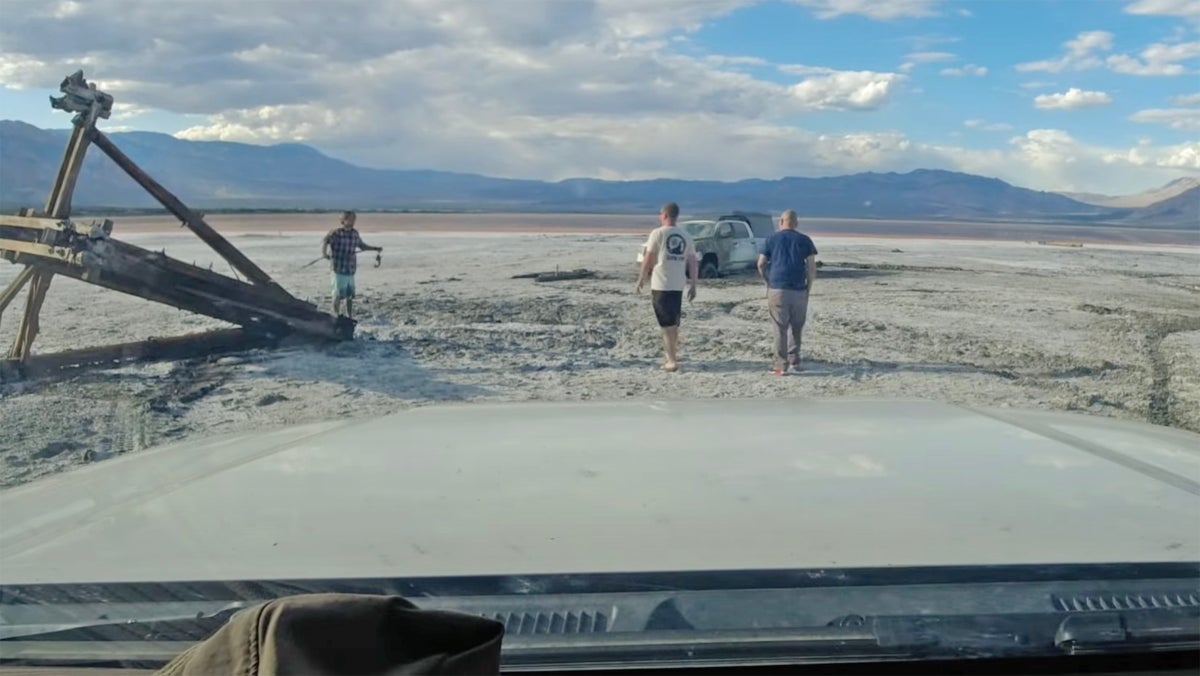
787	263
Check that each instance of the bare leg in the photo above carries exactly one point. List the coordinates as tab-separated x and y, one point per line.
350	308
671	347
337	307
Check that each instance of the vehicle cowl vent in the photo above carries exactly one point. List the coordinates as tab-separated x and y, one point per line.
570	622
1099	602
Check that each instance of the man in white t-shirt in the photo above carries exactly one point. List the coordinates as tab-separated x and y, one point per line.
670	263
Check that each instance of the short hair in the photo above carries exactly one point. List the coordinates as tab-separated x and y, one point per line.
349	214
789	217
671	209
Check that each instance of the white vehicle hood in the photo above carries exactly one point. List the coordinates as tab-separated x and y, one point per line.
591	487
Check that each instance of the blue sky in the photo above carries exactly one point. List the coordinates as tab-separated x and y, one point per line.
1097	95
995	34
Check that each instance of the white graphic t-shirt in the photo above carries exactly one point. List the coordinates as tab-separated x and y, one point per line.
671	247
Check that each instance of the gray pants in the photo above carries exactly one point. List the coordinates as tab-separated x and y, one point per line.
788	311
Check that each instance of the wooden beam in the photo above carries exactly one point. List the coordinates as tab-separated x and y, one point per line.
32	223
161	270
190	218
177	347
10	293
58	205
42	251
200	291
28	330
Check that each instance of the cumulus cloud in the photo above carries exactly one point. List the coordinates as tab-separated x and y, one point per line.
606	56
879	10
828	89
914	59
562	88
931	57
1182	119
1080	53
1187	100
1084	52
1072	99
1061	162
983	125
969	70
1179	8
1159	59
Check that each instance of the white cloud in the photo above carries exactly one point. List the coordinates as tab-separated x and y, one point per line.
845	90
63	10
931	57
1182	119
699	146
1072	99
564	88
983	125
914	59
879	10
724	61
631	19
1037	84
1080	54
963	11
966	71
1187	100
1056	160
1159	59
1180	8
1084	53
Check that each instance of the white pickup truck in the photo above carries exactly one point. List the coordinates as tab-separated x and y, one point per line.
727	243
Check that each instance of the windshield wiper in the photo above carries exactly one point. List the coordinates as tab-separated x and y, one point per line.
1109	632
884	638
20	620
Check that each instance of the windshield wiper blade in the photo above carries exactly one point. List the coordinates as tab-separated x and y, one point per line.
1029	634
1090	633
28	620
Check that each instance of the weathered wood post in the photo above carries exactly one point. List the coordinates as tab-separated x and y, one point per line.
89	104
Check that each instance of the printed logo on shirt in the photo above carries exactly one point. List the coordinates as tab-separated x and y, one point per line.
676	245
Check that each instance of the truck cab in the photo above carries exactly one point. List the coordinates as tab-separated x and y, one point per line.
727	243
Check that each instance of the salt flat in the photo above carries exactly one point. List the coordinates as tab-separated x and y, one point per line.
1111	330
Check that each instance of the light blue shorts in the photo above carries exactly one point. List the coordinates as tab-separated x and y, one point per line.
343	286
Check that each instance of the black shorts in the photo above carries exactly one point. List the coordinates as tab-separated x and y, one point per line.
668	306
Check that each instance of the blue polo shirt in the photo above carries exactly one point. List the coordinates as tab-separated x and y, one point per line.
787	252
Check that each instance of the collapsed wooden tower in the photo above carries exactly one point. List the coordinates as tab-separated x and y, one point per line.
49	243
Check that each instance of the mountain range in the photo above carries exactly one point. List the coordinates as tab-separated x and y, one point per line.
1141	199
220	175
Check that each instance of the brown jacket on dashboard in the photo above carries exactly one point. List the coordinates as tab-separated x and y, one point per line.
344	633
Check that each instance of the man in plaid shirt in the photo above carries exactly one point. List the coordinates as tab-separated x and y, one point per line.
341	247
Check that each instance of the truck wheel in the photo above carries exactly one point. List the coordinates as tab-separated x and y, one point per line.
709	269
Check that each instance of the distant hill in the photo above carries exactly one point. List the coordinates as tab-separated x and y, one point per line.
1182	210
219	175
1138	200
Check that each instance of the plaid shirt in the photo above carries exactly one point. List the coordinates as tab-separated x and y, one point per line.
343	245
